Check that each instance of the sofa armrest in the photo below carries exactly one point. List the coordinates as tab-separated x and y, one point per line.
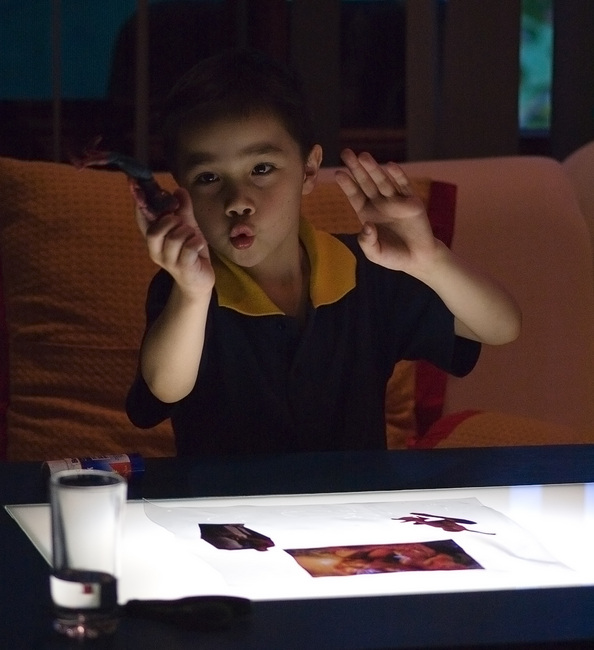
474	428
518	219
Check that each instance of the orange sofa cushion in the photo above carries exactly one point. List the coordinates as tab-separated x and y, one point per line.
75	275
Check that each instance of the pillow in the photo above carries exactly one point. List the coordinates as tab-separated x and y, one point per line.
75	273
415	392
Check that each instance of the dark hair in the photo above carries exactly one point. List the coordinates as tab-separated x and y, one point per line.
235	84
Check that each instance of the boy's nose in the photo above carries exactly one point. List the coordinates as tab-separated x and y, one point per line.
239	212
239	204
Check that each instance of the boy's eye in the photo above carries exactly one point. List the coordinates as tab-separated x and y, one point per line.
262	169
206	178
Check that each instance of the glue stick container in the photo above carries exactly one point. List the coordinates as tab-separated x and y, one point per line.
127	465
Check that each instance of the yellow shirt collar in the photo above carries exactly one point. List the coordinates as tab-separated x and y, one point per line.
332	276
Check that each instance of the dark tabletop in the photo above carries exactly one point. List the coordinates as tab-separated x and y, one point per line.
544	618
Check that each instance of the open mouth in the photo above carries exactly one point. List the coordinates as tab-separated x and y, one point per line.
241	237
242	241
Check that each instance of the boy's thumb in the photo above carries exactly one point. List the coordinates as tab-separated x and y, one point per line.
368	232
367	237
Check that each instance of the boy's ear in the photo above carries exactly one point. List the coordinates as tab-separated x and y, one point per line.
312	165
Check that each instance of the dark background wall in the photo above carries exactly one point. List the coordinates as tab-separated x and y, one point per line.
412	79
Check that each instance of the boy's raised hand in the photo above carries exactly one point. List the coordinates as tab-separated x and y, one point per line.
396	231
176	244
397	234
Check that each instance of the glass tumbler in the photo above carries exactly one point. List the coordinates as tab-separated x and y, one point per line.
87	509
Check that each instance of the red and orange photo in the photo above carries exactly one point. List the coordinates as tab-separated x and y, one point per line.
442	555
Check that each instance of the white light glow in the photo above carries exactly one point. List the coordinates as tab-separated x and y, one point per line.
544	538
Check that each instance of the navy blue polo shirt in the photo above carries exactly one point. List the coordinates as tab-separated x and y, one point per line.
268	383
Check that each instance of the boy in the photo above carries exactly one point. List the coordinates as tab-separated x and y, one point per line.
264	335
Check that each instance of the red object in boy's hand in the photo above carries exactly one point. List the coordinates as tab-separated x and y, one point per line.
147	193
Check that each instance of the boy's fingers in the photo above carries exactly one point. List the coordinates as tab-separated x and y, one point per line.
400	179
185	209
382	182
360	174
144	214
194	247
351	190
375	180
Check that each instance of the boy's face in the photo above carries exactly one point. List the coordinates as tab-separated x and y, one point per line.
246	178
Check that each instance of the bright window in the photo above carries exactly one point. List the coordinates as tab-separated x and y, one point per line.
536	65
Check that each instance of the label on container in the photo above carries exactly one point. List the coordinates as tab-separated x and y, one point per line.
127	465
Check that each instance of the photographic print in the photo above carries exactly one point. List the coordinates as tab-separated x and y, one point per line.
232	537
442	555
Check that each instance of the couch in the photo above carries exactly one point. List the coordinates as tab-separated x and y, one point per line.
579	167
75	272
